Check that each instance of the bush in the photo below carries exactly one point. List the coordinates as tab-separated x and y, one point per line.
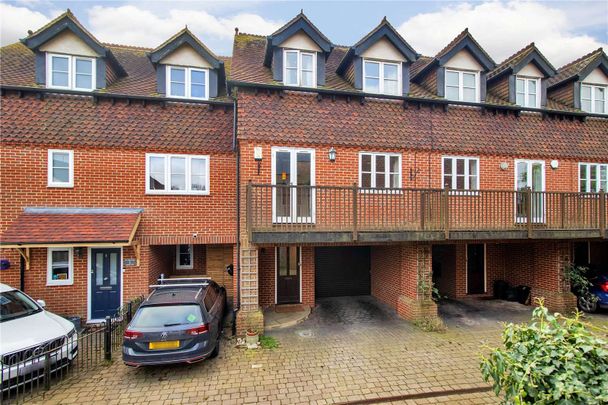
551	360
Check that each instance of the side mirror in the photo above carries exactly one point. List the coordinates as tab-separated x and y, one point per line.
41	303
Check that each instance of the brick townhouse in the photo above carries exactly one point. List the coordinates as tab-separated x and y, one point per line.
321	170
117	166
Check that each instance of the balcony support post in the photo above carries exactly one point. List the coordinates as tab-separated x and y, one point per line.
249	208
602	214
446	212
562	207
355	213
529	211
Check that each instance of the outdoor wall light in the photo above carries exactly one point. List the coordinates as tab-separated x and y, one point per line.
504	165
554	164
332	154
257	155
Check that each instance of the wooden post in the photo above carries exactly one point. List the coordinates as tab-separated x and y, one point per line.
529	210
248	208
602	214
562	207
446	212
355	213
422	210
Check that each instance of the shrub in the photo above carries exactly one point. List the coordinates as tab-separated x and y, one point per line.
551	360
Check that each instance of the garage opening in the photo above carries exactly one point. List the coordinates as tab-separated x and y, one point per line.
342	271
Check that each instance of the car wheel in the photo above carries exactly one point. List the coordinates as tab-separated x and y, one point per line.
587	305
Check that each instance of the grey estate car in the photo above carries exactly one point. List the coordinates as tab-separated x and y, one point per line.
179	322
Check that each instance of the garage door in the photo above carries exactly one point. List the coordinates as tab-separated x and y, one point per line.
342	271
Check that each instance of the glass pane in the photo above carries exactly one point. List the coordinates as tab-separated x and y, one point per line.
159	316
599	106
468	80
584	185
366	180
537	177
84	81
586	105
586	92
468	94
197	91
197	76
307	61
178	89
113	268
394	164
472	182
198	169
291	76
60	79
390	71
293	261
460	167
178	75
282	261
372	85
291	59
460	183
61	175
532	86
157	173
531	100
372	69
307	79
380	180
447	166
380	163
520	99
283	176
304	195
60	257
178	173
522	175
84	66
520	86
472	166
451	93
99	269
447	181
604	178
391	87
451	78
60	64
366	163
61	159
395	181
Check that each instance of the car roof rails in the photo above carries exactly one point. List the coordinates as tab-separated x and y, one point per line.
181	282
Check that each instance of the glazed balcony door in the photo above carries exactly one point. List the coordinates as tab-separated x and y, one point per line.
293	167
530	174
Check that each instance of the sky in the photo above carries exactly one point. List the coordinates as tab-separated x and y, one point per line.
562	30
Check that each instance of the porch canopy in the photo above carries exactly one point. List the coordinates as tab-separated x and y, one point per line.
72	227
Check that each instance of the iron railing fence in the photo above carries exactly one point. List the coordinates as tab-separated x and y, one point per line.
287	208
31	371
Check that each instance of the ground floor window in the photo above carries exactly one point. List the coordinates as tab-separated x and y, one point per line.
60	266
184	257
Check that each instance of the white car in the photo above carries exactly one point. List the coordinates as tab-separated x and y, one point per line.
27	334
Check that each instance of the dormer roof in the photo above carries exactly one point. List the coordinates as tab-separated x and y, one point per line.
514	63
184	37
580	68
66	21
296	24
382	30
463	41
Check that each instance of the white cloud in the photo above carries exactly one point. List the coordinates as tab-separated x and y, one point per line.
135	26
502	28
16	21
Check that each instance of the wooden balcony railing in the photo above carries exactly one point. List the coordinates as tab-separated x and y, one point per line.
285	208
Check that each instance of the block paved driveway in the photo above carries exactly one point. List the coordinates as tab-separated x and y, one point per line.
349	349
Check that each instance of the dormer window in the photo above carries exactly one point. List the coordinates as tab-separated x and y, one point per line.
187	82
299	68
70	72
594	98
381	77
527	92
461	85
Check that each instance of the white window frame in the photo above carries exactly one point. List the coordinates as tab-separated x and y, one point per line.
50	182
461	85
467	174
188	190
49	267
592	99
529	163
588	177
177	255
299	54
381	64
387	173
188	82
526	92
71	72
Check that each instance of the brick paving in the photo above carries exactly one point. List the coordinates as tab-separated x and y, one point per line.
366	353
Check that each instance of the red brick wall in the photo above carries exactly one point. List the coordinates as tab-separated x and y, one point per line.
385	273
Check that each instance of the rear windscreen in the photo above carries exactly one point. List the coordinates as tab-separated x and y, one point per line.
166	316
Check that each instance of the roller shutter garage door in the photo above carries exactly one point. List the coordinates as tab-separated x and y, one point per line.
342	271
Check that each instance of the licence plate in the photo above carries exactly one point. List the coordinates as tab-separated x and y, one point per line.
171	344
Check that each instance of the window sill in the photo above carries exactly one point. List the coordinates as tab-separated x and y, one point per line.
184	268
170	193
59	283
60	185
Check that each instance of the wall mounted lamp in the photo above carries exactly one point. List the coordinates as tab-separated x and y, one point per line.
332	154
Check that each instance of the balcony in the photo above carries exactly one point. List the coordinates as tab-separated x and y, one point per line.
334	214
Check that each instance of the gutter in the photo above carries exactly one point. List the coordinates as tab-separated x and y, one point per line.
406	99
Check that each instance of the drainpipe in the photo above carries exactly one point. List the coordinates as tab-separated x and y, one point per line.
237	295
21	273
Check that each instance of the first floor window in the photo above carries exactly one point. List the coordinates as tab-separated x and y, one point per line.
379	170
177	174
526	92
184	257
60	168
187	82
299	68
461	86
60	266
593	177
594	99
460	173
381	77
70	72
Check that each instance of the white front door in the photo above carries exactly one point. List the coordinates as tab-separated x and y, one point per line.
293	167
530	174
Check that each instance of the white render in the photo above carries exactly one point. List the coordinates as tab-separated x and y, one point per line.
68	43
383	50
463	60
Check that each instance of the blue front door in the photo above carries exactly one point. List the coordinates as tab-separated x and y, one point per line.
105	282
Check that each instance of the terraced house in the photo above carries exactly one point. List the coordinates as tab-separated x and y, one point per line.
317	169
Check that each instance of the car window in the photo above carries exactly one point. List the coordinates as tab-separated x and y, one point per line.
15	304
167	315
209	298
